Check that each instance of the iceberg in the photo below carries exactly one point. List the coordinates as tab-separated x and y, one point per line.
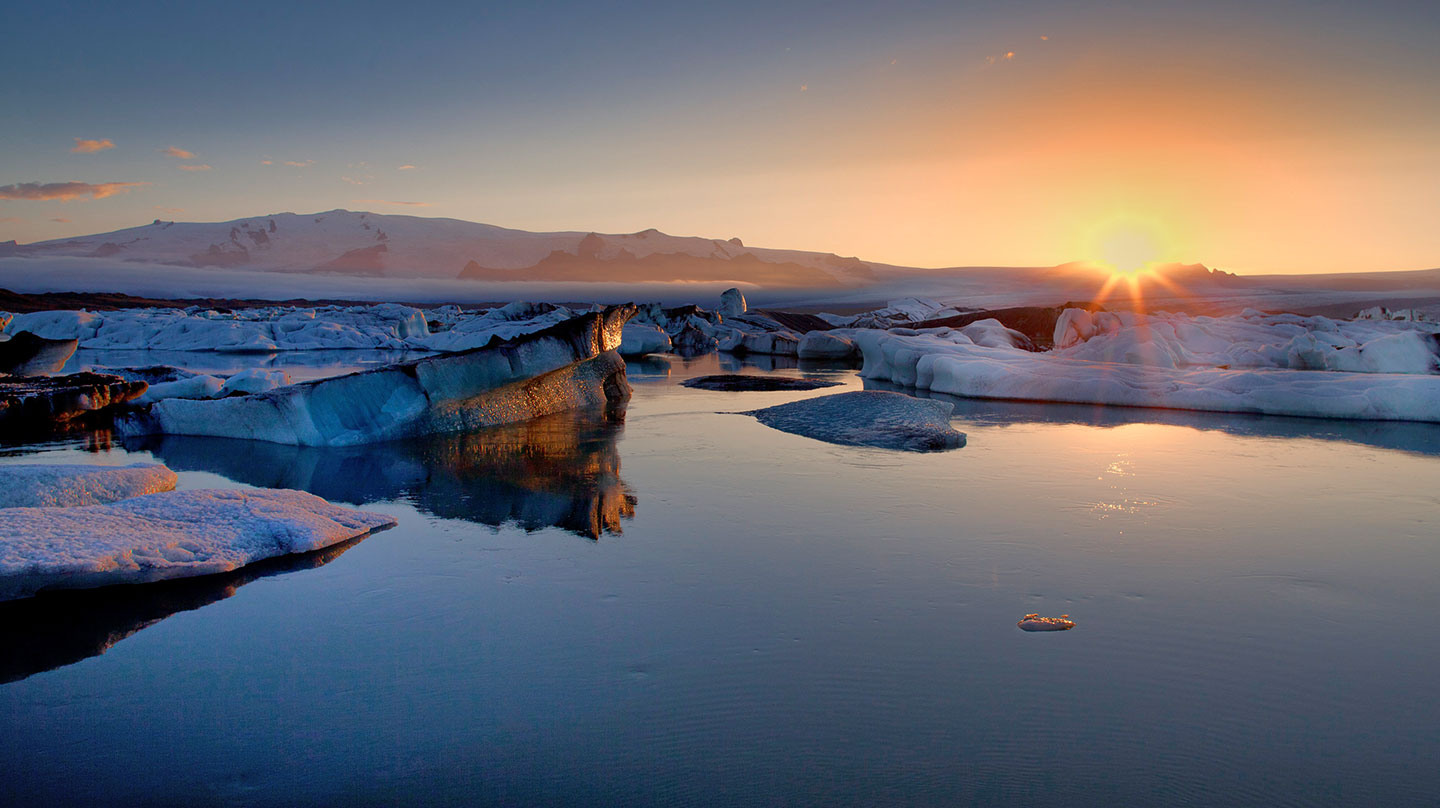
869	418
570	365
1250	340
946	361
641	339
52	400
165	536
79	484
27	354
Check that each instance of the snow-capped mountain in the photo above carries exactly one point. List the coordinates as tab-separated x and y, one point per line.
361	243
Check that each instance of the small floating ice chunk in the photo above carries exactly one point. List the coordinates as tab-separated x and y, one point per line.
869	418
79	484
1035	623
166	536
641	338
254	381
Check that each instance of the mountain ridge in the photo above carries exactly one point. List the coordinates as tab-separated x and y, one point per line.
363	243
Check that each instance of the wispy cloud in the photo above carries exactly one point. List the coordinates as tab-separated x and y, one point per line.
267	162
202	167
61	220
162	209
407	167
299	164
64	191
177	152
10	219
85	146
393	202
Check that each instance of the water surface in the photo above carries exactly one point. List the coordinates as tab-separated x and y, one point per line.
691	608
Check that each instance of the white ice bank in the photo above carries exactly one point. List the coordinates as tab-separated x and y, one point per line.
166	536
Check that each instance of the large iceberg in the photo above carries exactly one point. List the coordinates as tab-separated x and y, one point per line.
573	364
871	418
165	536
1136	372
79	484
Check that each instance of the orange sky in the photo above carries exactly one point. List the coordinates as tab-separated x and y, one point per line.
1272	138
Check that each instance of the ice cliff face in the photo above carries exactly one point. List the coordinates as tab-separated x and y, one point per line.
573	364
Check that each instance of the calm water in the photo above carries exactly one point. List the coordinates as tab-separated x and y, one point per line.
691	608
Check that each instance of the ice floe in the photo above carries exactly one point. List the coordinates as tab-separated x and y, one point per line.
165	536
570	365
870	418
79	484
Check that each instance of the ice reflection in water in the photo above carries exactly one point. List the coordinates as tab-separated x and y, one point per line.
1413	437
561	470
58	628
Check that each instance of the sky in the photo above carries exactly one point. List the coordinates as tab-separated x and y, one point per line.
1253	137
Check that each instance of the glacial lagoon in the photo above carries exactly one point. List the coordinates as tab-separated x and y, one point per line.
690	607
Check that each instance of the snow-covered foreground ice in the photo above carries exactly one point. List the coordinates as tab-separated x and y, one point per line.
1172	362
571	365
165	536
869	418
79	484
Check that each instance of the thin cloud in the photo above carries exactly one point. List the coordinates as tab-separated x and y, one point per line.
358	181
85	146
393	202
1009	55
64	191
203	167
407	167
177	152
11	219
162	209
61	220
299	164
1043	37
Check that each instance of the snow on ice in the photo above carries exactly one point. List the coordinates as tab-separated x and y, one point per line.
79	484
165	536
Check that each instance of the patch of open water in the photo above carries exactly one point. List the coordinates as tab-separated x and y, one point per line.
738	616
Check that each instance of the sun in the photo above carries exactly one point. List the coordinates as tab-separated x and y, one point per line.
1128	245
